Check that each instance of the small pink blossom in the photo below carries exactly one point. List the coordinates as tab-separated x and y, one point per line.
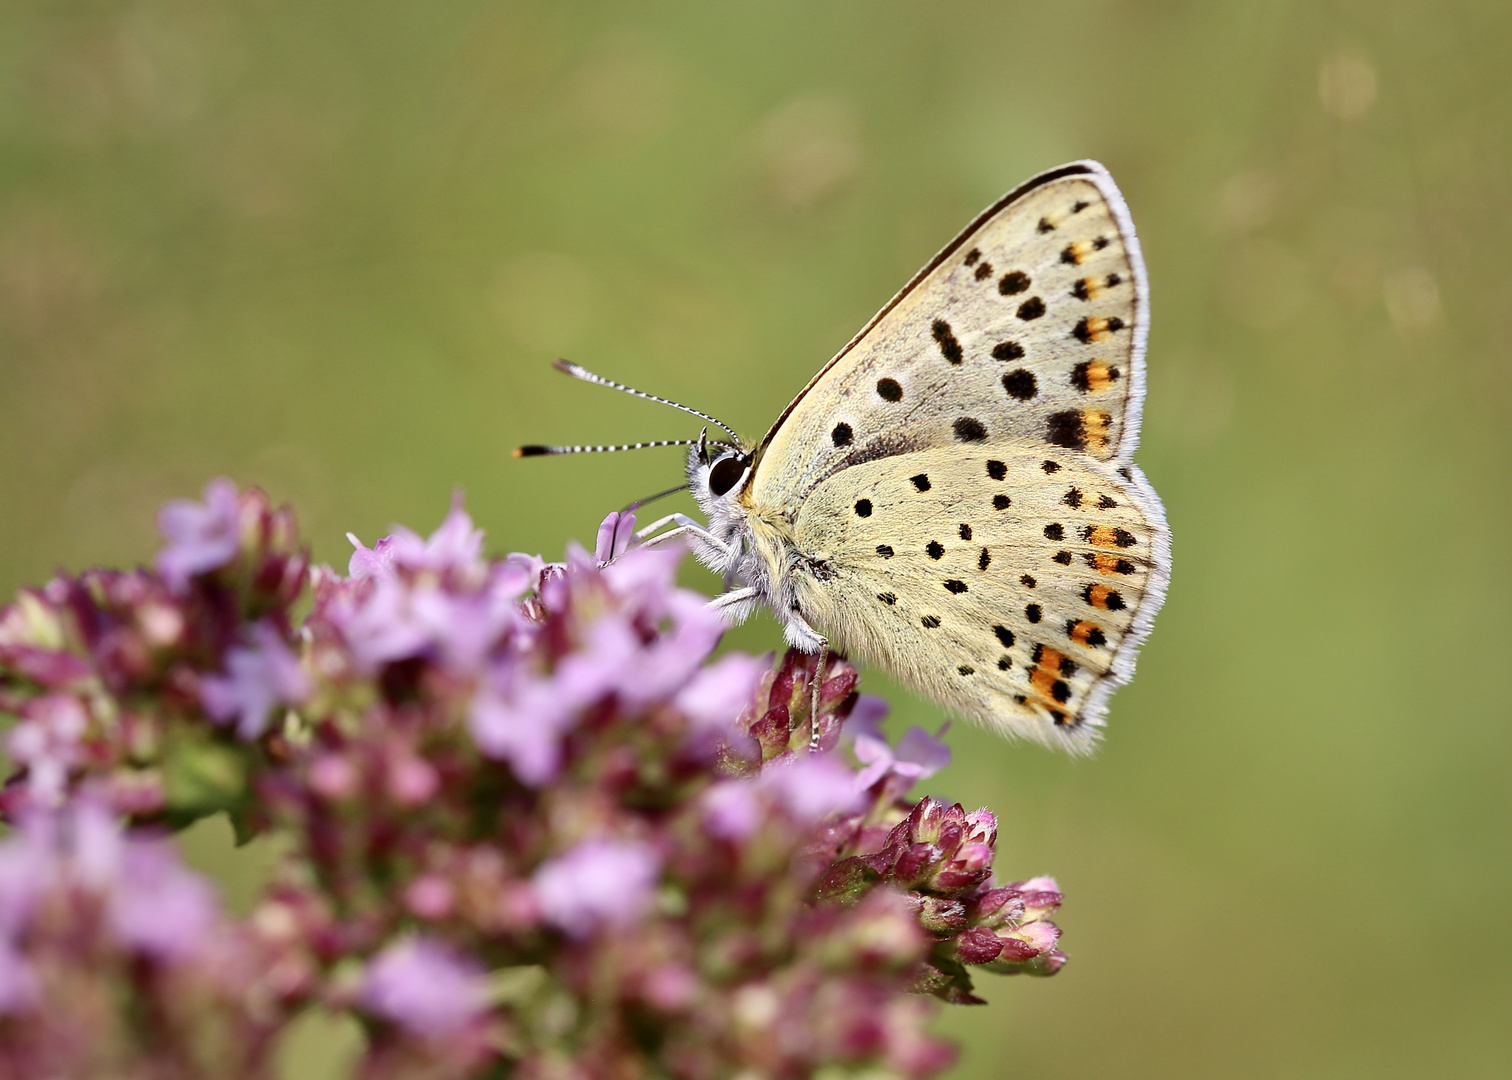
599	883
425	986
201	536
258	677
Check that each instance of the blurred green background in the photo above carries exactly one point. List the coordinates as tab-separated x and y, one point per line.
331	248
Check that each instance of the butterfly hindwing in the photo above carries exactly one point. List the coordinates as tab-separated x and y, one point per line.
1010	582
1030	325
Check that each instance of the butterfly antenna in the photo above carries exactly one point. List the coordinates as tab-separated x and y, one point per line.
540	451
578	372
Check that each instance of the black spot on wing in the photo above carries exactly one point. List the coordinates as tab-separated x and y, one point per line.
1004	635
931	622
968	429
1031	308
885	550
934	549
841	436
950	348
1001	502
1033	613
1007	350
1021	384
1013	283
997	470
955	586
965	531
863	508
889	390
921	481
1065	429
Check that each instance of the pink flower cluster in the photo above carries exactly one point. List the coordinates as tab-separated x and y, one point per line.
534	823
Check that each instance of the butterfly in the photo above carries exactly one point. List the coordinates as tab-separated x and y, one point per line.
953	497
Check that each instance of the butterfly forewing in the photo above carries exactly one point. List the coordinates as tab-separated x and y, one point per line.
1029	326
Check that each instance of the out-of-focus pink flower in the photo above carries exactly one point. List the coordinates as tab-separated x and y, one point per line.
522	724
424	986
201	536
714	698
258	677
917	757
811	787
46	741
599	883
158	907
615	658
732	809
457	545
153	905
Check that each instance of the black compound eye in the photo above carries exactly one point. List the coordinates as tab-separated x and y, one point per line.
727	472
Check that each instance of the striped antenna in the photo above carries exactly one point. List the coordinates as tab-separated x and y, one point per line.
577	372
540	451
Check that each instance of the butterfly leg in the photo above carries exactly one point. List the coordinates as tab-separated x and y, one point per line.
819	667
801	635
685	526
736	604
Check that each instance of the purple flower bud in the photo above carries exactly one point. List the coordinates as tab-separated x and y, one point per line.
424	986
599	883
258	677
997	907
201	536
977	946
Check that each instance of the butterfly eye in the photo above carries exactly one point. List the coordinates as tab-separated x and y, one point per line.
726	472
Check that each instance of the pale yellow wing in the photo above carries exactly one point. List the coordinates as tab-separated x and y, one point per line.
1029	325
1009	374
1011	582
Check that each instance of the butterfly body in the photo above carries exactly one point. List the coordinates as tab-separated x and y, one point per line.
953	496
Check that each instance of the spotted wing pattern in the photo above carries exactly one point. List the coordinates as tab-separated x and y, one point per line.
1012	583
959	478
1030	325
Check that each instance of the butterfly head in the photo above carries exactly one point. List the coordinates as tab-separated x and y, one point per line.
717	473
